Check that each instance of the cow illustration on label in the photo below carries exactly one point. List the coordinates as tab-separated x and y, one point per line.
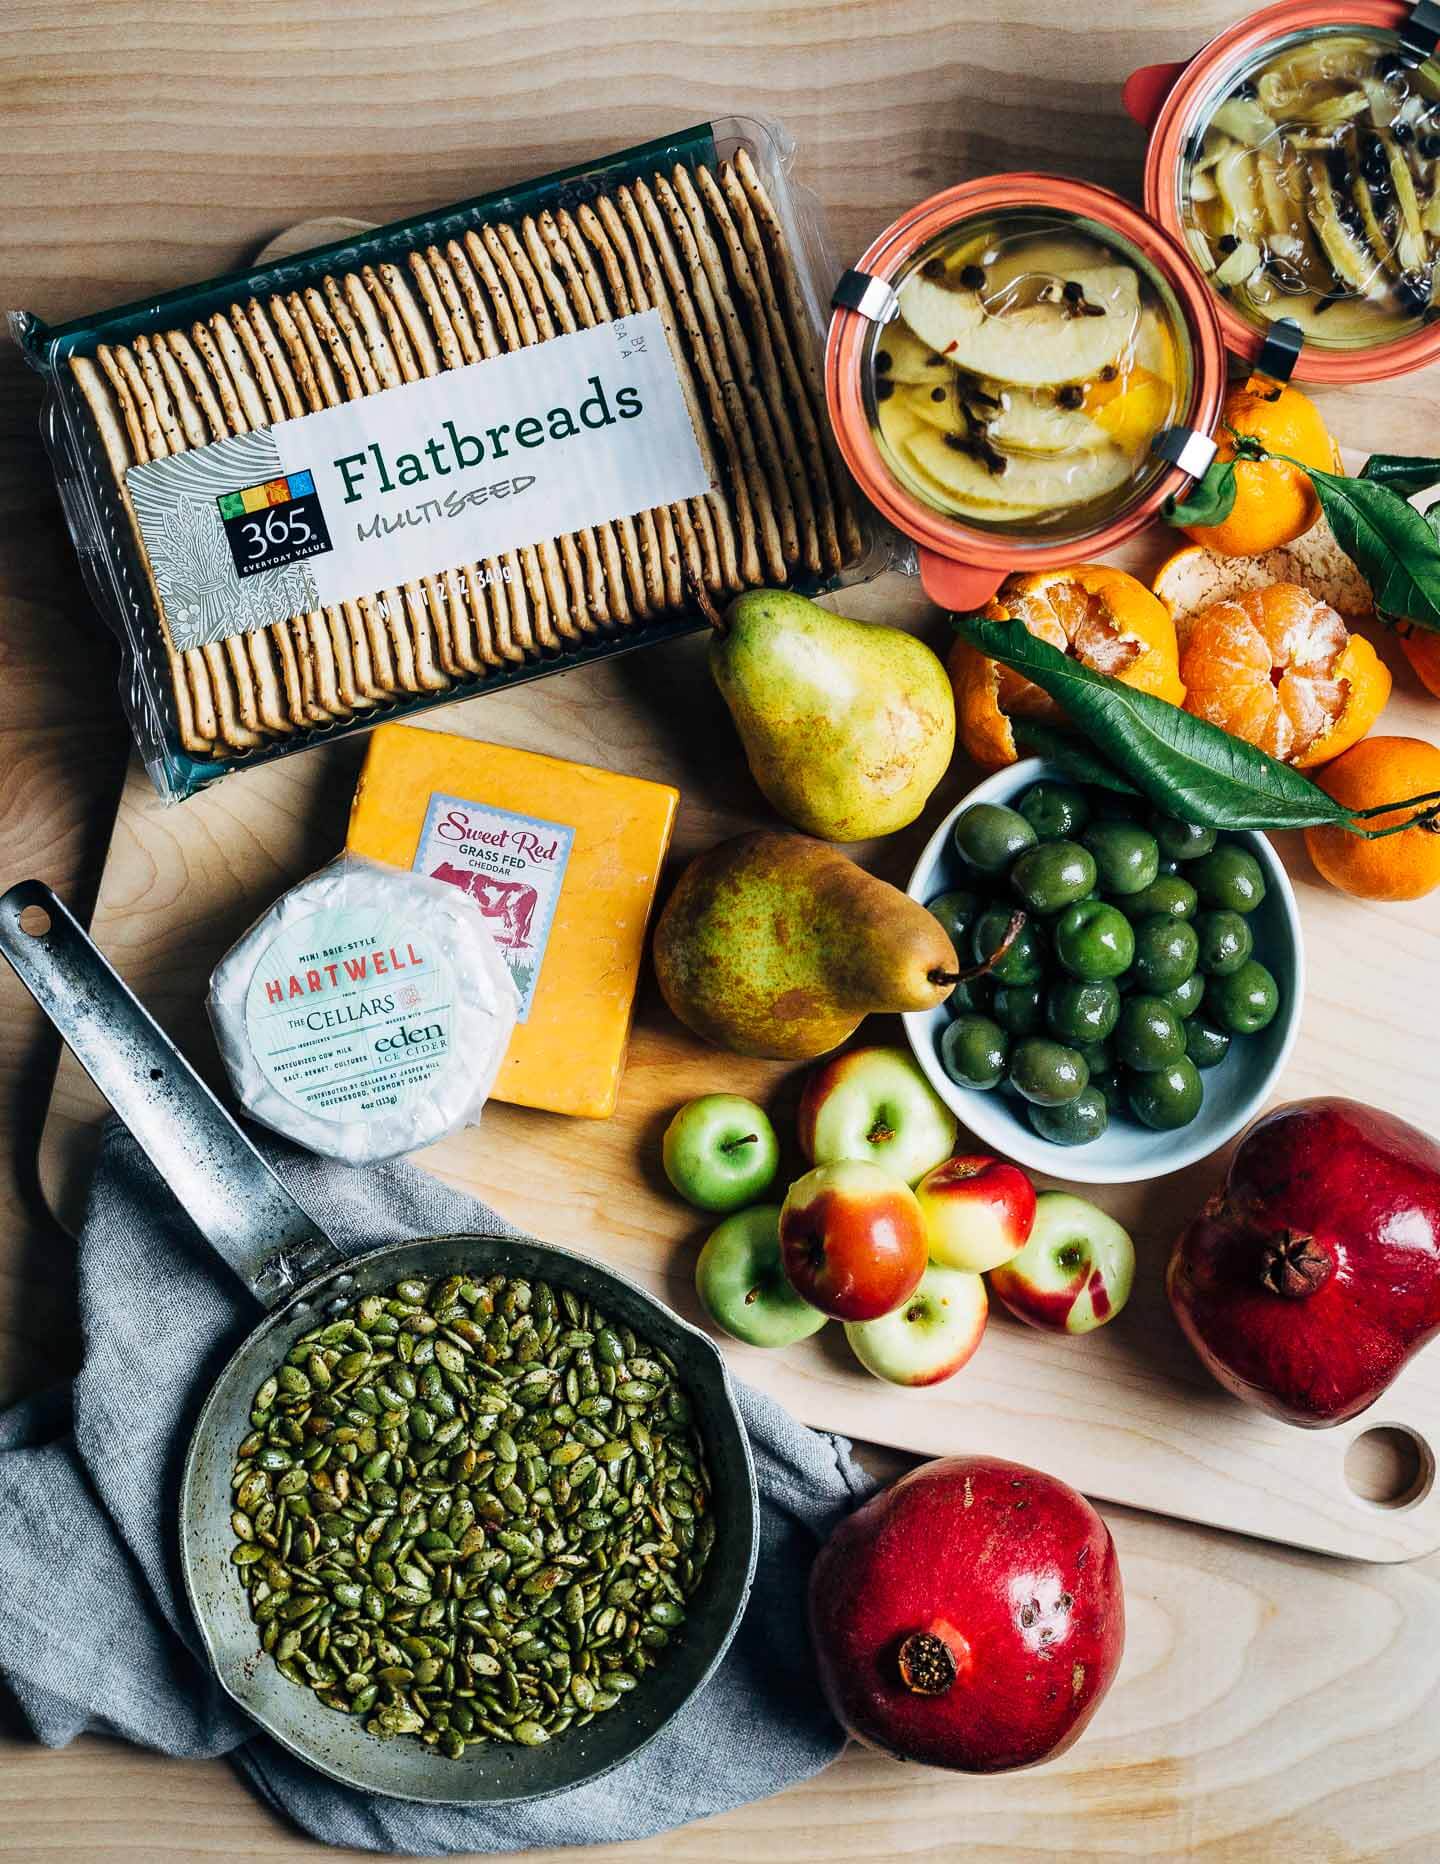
510	903
510	866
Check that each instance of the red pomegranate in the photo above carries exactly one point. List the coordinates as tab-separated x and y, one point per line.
969	1617
1313	1275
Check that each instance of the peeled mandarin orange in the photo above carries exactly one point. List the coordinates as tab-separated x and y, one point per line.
1279	668
1274	501
1101	616
1405	866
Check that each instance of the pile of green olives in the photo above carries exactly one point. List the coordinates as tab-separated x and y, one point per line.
1120	958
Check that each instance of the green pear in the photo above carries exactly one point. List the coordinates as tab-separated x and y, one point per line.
848	725
777	945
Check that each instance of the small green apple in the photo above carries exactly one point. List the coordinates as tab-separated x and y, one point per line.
720	1152
930	1336
1076	1271
742	1286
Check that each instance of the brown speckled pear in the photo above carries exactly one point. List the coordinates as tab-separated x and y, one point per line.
847	725
776	945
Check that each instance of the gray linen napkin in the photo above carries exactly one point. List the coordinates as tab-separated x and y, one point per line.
95	1632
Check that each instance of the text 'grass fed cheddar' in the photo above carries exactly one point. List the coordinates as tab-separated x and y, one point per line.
480	444
562	861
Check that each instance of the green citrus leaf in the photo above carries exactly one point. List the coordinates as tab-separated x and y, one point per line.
1404	473
1209	501
1388	541
1186	766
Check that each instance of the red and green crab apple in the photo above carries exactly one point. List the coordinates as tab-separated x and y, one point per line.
1076	1271
852	1240
742	1286
720	1152
979	1211
875	1104
929	1337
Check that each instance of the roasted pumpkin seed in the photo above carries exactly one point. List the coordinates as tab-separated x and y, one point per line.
436	1528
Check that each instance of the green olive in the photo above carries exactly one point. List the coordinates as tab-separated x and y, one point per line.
1053	876
1245	1001
1181	841
973	1052
1169	894
1185	998
1149	1035
1081	1010
1226	941
1074	1122
1206	1043
1019	1008
1127	857
1056	811
1047	1073
1093	940
1023	962
1165	953
956	912
1165	1098
1230	877
989	836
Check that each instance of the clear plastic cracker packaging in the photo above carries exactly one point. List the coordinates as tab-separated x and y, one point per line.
463	450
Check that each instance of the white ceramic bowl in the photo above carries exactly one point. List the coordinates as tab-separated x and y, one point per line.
1127	1151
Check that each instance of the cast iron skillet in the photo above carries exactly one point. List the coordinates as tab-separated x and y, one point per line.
296	1272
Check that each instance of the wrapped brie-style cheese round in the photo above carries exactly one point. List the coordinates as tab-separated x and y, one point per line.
366	1014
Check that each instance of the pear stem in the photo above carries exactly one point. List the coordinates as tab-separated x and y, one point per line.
972	971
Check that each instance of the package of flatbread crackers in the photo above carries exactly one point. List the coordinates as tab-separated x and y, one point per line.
469	448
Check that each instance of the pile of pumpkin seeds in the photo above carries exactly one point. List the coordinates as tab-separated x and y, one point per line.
470	1510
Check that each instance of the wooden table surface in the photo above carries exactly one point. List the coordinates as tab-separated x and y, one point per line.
1273	1706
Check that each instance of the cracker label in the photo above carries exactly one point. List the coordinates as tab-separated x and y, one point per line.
417	479
510	866
270	525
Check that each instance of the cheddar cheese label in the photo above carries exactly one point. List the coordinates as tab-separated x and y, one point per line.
510	866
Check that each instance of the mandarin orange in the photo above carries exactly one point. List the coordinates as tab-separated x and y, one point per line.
1101	616
1274	500
1279	668
1403	866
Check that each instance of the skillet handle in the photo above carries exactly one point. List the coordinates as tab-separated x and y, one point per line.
228	1191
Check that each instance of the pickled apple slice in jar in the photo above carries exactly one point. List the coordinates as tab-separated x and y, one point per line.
1312	189
1030	367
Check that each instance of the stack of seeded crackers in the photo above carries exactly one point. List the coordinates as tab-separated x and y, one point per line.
704	245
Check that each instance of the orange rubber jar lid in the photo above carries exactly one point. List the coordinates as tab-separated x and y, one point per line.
1176	103
971	530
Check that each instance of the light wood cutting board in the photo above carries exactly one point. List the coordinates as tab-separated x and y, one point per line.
1126	1414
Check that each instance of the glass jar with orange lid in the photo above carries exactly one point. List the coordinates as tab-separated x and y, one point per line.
1298	158
1014	371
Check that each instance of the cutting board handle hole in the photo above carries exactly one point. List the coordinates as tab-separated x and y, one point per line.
1390	1466
34	921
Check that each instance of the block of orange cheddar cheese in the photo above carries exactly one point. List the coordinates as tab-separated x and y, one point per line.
562	860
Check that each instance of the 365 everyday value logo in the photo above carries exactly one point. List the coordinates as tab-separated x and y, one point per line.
275	523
